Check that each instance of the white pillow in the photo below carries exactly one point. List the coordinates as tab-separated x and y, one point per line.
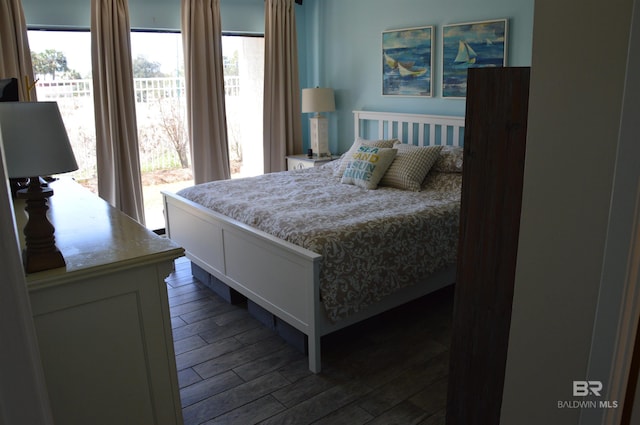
450	160
367	166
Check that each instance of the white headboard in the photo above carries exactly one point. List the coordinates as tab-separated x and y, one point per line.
415	129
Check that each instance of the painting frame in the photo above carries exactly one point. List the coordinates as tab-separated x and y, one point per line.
407	61
477	44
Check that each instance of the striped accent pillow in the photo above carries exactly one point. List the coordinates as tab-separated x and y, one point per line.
410	166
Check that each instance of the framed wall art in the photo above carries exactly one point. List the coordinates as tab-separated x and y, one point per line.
407	62
470	45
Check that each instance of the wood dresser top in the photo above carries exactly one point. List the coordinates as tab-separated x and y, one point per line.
94	237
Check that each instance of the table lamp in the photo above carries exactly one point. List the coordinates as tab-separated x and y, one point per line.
36	144
318	100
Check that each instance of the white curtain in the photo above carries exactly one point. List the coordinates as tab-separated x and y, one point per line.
204	79
119	180
15	56
282	116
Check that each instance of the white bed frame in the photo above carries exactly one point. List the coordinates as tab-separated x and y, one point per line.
281	277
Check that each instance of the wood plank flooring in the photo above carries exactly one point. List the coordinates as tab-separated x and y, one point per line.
391	369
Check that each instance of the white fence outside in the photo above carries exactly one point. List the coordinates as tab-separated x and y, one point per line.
145	88
160	110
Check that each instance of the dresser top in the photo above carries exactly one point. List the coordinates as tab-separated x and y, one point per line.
93	237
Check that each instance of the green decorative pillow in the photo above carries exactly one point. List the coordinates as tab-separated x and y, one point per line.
367	166
410	166
359	142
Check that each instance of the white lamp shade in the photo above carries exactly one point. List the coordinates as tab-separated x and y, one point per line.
318	100
35	139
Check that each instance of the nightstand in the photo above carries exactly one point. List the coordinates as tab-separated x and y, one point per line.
297	162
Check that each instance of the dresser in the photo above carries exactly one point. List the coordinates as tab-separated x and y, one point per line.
102	322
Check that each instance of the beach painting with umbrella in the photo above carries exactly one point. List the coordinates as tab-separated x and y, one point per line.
470	45
407	61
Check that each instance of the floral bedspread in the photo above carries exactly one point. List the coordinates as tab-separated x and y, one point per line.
373	242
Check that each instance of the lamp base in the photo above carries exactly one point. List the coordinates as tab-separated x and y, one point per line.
319	132
41	252
37	262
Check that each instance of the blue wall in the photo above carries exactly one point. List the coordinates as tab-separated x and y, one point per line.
343	51
339	43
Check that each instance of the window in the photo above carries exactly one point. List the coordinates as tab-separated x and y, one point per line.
244	82
62	66
158	72
62	63
163	143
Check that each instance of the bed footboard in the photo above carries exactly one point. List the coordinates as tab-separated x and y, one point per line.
281	277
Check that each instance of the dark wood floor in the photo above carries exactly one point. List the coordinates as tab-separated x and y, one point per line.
391	369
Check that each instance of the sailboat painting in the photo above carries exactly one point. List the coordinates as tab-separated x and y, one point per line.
407	61
470	45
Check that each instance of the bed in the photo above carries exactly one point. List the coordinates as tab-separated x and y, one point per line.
308	268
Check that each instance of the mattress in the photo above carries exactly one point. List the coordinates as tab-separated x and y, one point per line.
372	242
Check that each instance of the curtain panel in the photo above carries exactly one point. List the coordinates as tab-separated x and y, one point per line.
204	80
282	116
15	55
119	180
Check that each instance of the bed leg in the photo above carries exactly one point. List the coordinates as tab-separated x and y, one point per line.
314	354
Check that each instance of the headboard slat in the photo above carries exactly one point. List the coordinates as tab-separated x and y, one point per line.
456	137
410	131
